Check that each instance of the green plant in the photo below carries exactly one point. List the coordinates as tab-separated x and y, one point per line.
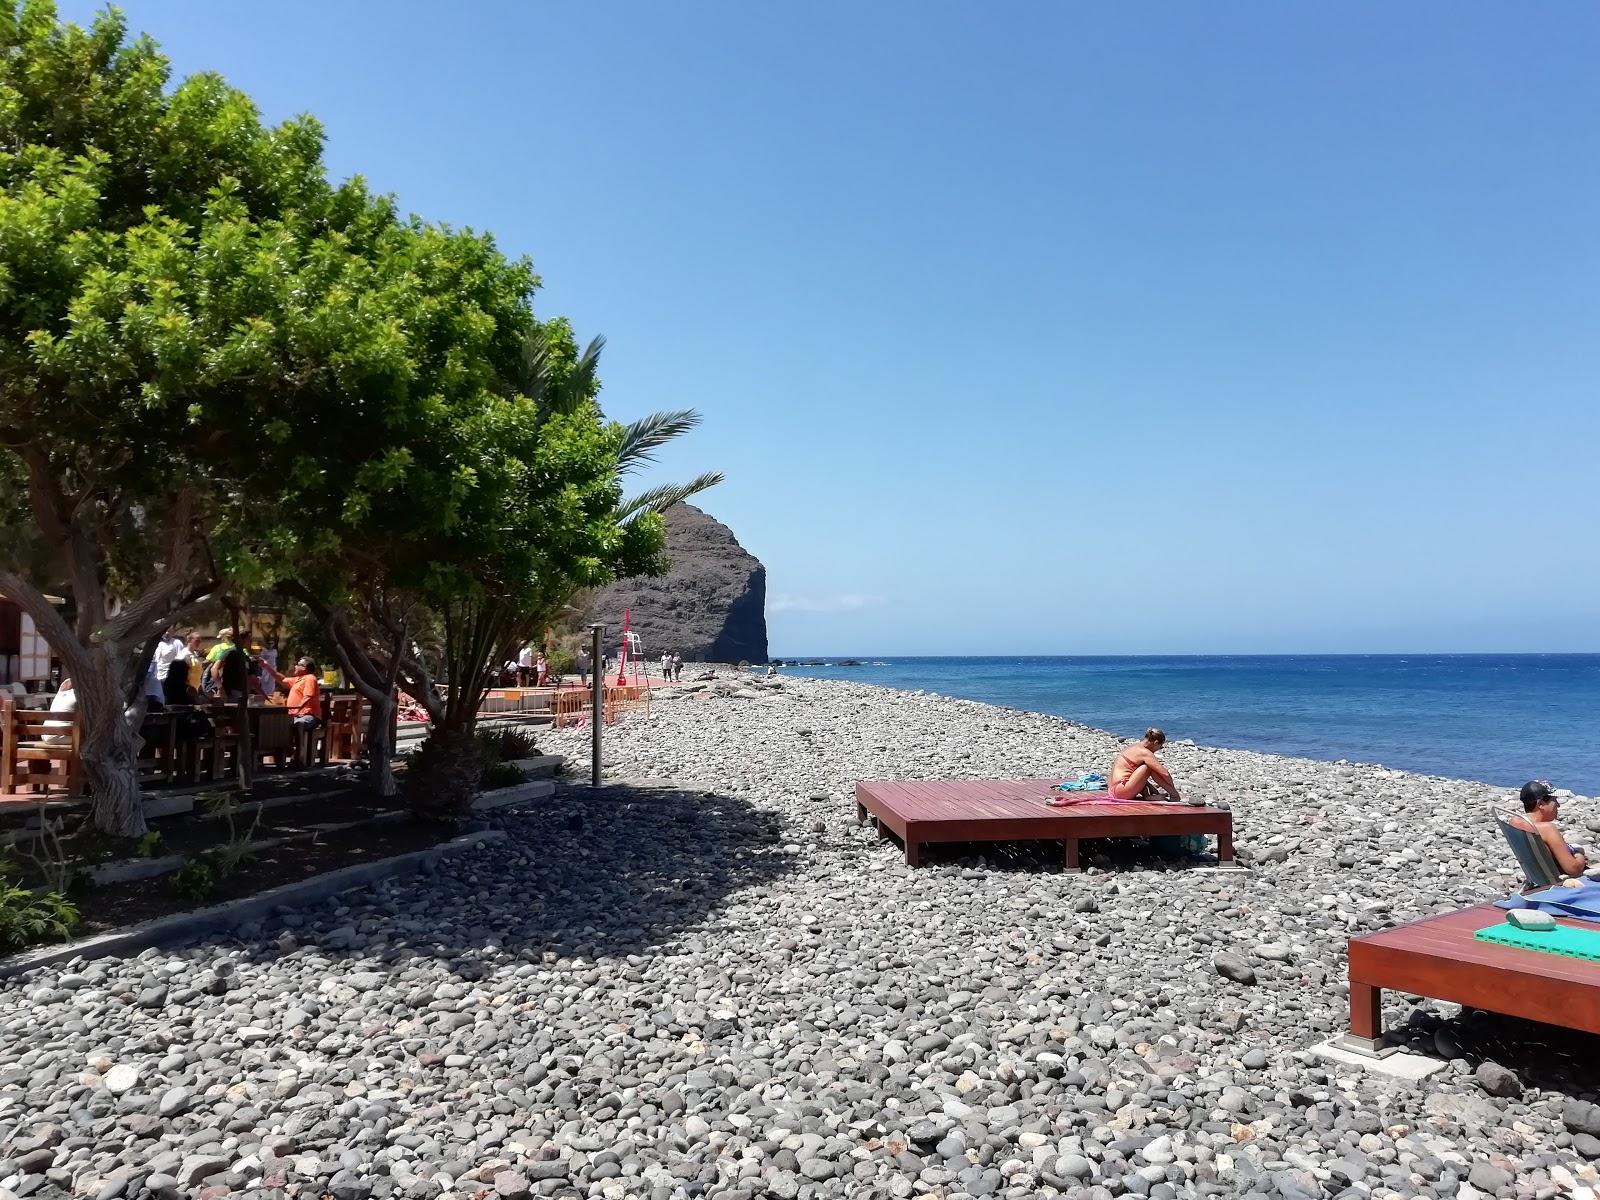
27	918
150	844
503	774
506	744
196	879
225	806
55	866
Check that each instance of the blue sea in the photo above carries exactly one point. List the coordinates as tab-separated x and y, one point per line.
1499	718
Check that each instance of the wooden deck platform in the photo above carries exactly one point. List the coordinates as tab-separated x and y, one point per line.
1018	810
1439	957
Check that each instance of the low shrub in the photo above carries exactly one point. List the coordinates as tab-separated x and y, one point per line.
27	918
502	775
196	879
507	744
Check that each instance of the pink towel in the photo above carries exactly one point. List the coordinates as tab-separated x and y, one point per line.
1071	799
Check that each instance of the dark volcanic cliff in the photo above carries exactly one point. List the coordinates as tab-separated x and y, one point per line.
711	606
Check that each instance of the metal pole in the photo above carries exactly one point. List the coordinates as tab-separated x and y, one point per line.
596	709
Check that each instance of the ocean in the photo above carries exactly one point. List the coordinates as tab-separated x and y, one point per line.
1498	718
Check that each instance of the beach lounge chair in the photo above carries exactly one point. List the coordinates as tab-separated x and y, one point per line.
1533	856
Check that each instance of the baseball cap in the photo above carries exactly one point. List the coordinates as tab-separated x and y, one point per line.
1535	791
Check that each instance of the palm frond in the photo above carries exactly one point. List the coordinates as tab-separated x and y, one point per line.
659	499
640	438
580	383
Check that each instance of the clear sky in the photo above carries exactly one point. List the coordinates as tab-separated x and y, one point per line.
1050	328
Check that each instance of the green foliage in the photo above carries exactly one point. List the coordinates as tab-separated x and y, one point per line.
444	776
236	850
503	775
27	918
150	844
504	743
197	879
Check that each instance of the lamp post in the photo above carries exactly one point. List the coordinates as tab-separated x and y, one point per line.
597	715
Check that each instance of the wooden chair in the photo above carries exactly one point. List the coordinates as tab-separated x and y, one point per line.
35	738
311	745
272	735
342	728
159	754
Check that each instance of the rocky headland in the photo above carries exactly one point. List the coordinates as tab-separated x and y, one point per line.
706	980
711	605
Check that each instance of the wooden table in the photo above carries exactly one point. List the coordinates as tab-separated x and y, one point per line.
1018	810
1439	957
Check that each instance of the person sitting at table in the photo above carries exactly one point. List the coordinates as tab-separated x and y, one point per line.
230	669
1540	807
176	689
194	662
1137	774
64	701
305	693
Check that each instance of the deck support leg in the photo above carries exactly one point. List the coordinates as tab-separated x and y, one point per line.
913	853
1225	845
1366	1022
861	813
1072	867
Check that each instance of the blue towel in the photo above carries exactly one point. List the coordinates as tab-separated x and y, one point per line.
1580	903
1083	783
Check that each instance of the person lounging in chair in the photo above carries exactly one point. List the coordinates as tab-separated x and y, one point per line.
1137	774
1541	808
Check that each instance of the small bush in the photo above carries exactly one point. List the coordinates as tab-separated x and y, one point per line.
150	844
502	775
27	919
196	879
506	744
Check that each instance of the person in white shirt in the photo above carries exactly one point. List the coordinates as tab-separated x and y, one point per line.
169	650
525	666
64	701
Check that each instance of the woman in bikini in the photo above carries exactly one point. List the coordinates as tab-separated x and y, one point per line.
1137	772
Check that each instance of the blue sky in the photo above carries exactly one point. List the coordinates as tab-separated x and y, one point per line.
1050	328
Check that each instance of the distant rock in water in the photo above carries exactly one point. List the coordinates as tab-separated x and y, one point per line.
711	606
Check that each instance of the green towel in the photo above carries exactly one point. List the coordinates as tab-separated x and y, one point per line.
1563	939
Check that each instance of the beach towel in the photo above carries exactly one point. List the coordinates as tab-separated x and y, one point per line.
1083	783
1581	903
1563	939
1078	798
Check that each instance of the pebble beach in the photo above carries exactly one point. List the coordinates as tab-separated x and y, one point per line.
709	980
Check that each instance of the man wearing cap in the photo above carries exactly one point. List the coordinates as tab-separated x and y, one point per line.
305	694
1541	806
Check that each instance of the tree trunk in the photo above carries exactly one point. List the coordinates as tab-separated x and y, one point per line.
109	745
380	745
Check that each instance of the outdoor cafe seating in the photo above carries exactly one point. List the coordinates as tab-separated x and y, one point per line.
38	750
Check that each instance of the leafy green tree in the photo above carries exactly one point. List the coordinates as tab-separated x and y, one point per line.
147	240
214	365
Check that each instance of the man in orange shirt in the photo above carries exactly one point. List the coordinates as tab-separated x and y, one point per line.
305	696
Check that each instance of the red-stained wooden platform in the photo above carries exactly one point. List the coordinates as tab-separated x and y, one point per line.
1439	957
1018	810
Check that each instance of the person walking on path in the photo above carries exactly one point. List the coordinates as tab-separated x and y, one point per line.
583	667
677	668
541	671
1136	772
